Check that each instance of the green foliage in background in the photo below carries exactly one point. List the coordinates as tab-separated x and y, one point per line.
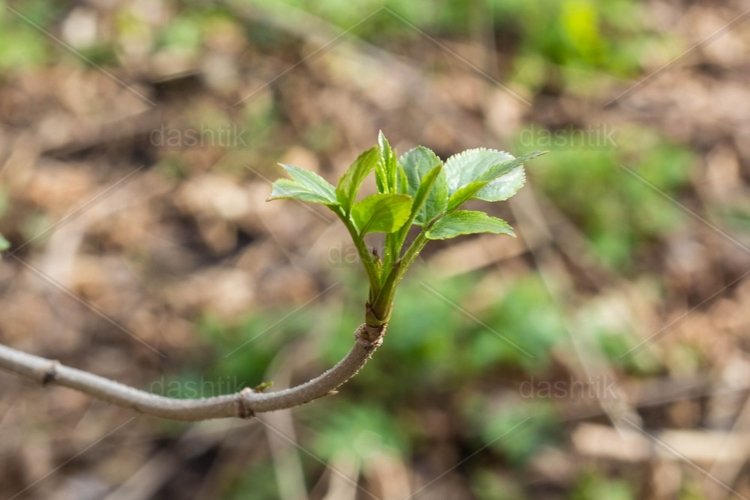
357	431
601	36
552	36
194	25
516	430
562	31
593	486
488	483
563	36
614	191
243	482
21	44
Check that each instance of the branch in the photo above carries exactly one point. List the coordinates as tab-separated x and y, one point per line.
243	404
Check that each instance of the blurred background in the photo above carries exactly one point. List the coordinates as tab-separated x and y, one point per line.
603	354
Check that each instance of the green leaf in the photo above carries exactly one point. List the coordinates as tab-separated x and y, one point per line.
288	189
419	163
427	205
348	186
387	173
472	165
403	181
505	179
311	180
304	186
508	165
503	187
464	193
383	212
467	222
4	244
502	172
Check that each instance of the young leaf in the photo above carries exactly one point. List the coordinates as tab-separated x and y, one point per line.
310	180
403	181
305	186
427	206
505	179
348	186
4	244
288	189
467	222
501	171
464	193
387	175
504	167
503	187
418	163
383	212
471	165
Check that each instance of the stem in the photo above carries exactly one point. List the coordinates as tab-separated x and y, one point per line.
392	250
413	251
399	238
384	300
243	404
364	253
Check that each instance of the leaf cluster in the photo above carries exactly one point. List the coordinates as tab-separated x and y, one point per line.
415	190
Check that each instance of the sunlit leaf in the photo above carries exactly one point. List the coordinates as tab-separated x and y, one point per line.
471	165
386	173
502	172
505	179
348	186
464	194
383	212
419	163
426	206
288	189
304	185
467	222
